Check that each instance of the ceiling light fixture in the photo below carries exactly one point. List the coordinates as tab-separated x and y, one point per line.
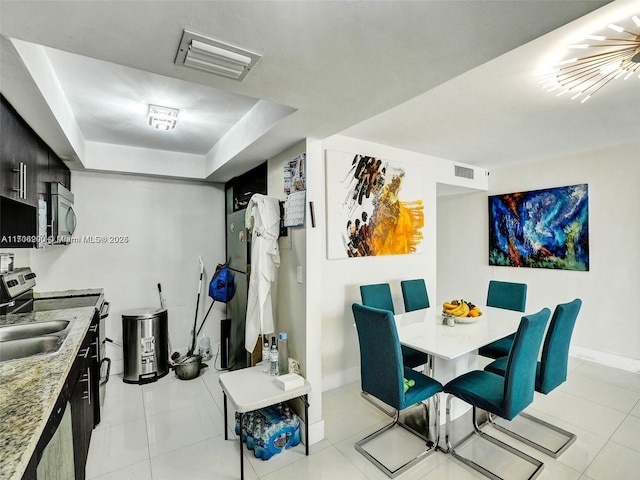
213	56
162	118
588	74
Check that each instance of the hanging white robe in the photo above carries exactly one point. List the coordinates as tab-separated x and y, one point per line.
262	219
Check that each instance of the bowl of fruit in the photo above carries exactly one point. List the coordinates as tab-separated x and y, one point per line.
462	311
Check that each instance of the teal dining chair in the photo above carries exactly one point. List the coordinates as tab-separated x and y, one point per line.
505	396
379	296
383	376
510	296
414	294
551	372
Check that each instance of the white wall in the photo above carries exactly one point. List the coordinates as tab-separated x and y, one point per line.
340	279
605	331
313	282
168	223
290	302
293	314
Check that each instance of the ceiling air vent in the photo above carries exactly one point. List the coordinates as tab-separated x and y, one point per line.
464	172
213	56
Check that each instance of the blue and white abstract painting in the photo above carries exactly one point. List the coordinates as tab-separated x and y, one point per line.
540	228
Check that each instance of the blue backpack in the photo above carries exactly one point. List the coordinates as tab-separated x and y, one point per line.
223	286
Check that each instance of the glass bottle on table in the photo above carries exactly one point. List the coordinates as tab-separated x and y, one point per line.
266	360
273	356
283	354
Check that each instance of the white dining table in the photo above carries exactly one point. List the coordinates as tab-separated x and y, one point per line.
423	330
452	351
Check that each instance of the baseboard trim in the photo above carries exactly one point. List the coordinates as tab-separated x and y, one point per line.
316	432
604	358
340	379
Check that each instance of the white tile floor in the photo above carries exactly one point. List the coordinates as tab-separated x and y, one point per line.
173	430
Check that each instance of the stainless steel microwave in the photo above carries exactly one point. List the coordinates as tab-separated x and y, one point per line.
63	218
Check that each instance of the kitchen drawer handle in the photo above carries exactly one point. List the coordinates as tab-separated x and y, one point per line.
88	397
104	311
19	189
24	182
93	328
86	352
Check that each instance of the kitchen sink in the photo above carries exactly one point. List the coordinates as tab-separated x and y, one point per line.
27	339
34	329
26	347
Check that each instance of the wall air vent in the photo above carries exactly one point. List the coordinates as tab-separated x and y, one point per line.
213	56
464	172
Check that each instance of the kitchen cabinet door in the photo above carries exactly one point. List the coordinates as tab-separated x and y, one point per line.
57	458
18	158
44	175
82	413
58	171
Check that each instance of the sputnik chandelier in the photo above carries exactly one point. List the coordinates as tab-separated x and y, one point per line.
617	56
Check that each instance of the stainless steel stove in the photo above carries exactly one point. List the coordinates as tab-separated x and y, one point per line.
16	291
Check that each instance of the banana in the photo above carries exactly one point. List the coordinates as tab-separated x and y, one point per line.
447	307
464	310
459	310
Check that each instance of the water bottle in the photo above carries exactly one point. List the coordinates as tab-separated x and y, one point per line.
253	436
273	356
205	348
283	354
266	361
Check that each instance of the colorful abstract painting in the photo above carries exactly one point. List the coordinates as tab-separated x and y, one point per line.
374	207
541	228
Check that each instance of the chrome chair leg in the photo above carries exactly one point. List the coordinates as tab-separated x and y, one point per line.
551	451
436	401
372	400
359	446
477	431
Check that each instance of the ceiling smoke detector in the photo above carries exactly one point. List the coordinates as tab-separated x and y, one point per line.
213	56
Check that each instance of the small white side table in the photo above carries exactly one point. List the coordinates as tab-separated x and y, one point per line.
250	389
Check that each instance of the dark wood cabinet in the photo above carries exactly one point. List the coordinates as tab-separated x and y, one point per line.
83	397
58	171
27	165
42	163
51	170
18	157
82	421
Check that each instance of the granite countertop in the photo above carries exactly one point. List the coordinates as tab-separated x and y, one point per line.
29	387
67	293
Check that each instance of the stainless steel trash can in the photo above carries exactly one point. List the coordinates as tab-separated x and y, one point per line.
144	344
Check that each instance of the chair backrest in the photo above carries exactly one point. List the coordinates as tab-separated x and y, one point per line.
507	295
377	295
520	374
381	369
414	294
555	351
